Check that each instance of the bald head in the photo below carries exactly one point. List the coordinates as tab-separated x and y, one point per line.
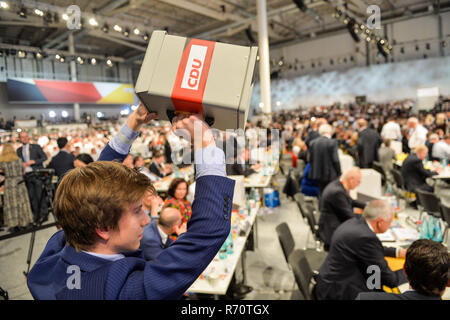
351	178
169	217
362	123
412	122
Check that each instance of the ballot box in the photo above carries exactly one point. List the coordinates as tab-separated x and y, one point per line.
183	75
239	191
370	183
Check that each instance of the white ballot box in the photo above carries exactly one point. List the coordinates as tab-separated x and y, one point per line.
346	162
182	75
239	191
370	183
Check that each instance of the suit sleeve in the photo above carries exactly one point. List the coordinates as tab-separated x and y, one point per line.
171	273
372	253
41	156
339	203
390	252
358	204
335	158
424	172
150	249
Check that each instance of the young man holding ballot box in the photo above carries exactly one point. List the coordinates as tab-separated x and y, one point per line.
99	207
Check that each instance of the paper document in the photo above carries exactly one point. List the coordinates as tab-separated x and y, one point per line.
388	236
405	234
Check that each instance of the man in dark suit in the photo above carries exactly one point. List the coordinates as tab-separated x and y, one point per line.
427	268
63	161
241	166
354	248
98	258
336	205
314	132
156	235
325	166
157	168
368	143
413	172
33	157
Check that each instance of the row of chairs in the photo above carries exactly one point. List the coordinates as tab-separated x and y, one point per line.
304	263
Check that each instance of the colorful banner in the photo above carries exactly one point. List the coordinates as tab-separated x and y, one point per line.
24	90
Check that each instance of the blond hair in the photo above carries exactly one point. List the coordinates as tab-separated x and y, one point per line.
8	153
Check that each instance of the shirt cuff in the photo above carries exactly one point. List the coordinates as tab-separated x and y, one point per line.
397	252
210	161
123	140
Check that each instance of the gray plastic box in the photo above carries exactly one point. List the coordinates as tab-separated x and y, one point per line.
188	75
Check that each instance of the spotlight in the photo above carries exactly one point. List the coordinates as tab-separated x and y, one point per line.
65	16
382	50
62	59
118	28
136	31
93	61
109	63
146	37
352	27
4	5
22	13
38	55
64	114
39	12
105	28
52	114
80	60
100	114
93	22
126	32
368	39
261	105
21	54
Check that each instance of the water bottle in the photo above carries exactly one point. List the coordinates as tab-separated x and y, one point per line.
229	242
223	251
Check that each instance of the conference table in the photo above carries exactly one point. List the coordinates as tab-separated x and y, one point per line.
217	276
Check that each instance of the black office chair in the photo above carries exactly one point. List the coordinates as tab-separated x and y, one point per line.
304	273
430	202
285	163
445	211
286	240
400	184
379	168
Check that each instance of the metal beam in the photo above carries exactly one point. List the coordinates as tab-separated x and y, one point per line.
221	16
102	35
110	6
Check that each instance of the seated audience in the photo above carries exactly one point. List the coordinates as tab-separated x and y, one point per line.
355	247
102	223
427	267
413	172
128	161
139	163
157	166
156	235
63	161
441	149
242	166
336	205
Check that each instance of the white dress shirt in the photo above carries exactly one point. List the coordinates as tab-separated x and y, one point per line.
391	130
417	136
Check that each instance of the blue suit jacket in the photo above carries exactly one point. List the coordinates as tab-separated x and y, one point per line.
151	242
168	276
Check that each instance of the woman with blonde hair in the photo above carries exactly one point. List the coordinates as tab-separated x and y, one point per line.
16	208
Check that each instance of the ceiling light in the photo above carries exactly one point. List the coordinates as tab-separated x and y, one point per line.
22	13
109	63
126	32
65	16
93	61
21	54
105	28
39	12
52	114
136	31
146	37
64	114
57	57
118	28
4	5
93	22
